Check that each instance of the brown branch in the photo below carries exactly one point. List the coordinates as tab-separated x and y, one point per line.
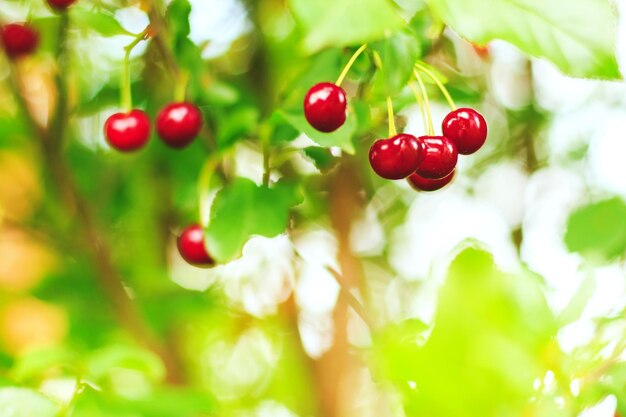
79	208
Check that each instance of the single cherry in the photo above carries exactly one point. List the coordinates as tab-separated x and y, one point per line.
325	107
191	246
178	124
425	184
18	39
439	157
397	157
60	4
127	131
467	128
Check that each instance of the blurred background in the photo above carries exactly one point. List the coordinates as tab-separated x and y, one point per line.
503	294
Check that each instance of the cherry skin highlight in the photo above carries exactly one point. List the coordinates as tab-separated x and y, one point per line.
191	246
425	184
467	128
18	39
325	107
178	124
60	4
127	132
439	157
395	158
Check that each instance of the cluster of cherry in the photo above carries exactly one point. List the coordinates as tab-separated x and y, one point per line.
428	162
178	124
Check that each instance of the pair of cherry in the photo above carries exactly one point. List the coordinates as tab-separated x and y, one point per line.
428	162
177	124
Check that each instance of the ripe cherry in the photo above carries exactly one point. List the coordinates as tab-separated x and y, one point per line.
127	131
18	39
395	158
60	4
439	157
467	128
191	246
325	107
425	184
178	124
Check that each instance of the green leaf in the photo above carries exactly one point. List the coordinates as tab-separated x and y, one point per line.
342	137
100	21
127	357
178	13
236	123
336	23
22	402
579	38
398	55
491	330
598	231
579	301
243	209
321	157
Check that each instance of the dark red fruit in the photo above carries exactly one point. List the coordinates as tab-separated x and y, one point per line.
18	39
127	131
397	157
191	246
60	4
426	184
325	107
178	124
467	128
439	157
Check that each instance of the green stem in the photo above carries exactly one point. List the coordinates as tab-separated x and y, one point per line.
392	122
125	86
204	183
181	86
443	89
351	62
420	103
431	130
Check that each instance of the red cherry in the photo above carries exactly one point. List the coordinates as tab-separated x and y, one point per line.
426	184
395	158
467	128
19	39
325	107
60	4
127	131
191	246
439	157
178	124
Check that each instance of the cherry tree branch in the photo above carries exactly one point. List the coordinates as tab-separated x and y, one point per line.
79	208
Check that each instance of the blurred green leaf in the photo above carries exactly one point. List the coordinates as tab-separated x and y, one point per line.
235	124
398	55
598	230
341	138
178	15
491	330
548	29
577	304
33	364
321	157
100	21
335	23
22	402
106	360
243	209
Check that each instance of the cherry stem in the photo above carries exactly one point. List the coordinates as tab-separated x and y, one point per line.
204	185
181	86
442	87
420	103
265	134
125	87
351	62
431	130
392	122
